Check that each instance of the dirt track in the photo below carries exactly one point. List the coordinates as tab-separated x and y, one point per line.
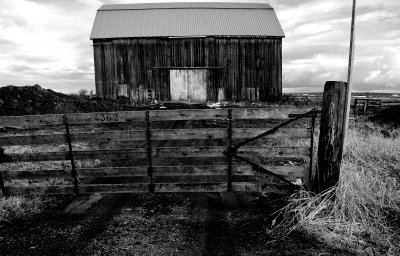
125	224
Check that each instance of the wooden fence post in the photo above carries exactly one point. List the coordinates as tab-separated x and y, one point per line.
71	155
332	135
1	175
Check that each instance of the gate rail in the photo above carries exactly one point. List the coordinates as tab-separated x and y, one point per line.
154	151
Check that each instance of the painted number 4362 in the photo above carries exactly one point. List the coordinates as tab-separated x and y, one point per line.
110	117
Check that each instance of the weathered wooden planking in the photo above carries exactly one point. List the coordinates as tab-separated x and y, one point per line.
31	120
190	179
112	136
136	153
237	113
114	188
247	133
184	134
117	179
35	157
266	113
188	114
125	179
75	118
181	187
36	175
106	117
265	188
190	170
275	151
134	58
111	171
157	171
33	139
219	151
38	190
144	188
162	152
291	173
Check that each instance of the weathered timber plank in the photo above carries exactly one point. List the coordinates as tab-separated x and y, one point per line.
162	152
219	151
109	136
38	174
291	173
190	170
188	114
114	188
265	113
275	151
189	152
111	171
136	153
117	179
33	139
190	179
245	133
157	115
265	188
78	155
34	157
188	161
31	120
162	174
206	187
186	134
126	179
74	118
38	190
237	113
106	117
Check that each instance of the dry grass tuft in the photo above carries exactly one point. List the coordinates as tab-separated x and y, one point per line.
364	208
17	207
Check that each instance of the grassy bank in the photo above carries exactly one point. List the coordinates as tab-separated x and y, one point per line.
363	211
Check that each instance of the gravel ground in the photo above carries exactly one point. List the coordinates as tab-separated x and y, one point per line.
127	224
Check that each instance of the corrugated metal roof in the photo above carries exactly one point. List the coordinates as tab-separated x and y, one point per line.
186	5
186	20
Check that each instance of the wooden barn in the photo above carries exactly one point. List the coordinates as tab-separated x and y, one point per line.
188	52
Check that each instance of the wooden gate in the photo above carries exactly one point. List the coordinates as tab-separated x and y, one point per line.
209	150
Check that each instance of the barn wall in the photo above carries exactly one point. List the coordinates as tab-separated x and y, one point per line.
248	63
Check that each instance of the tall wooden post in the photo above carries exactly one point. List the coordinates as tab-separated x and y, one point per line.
350	68
331	138
334	123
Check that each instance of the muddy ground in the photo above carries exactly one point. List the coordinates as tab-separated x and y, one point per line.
129	224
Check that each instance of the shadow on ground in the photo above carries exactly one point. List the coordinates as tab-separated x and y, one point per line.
168	224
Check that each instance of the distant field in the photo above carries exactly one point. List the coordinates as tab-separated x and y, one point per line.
315	98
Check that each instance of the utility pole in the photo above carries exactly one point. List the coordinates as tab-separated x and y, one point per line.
350	71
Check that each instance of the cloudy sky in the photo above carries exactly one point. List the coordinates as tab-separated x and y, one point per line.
47	42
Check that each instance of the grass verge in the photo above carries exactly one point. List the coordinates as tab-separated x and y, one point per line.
362	212
20	207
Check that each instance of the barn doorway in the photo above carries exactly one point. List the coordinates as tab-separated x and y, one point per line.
188	85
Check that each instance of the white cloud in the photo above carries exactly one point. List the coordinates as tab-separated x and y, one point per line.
47	42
